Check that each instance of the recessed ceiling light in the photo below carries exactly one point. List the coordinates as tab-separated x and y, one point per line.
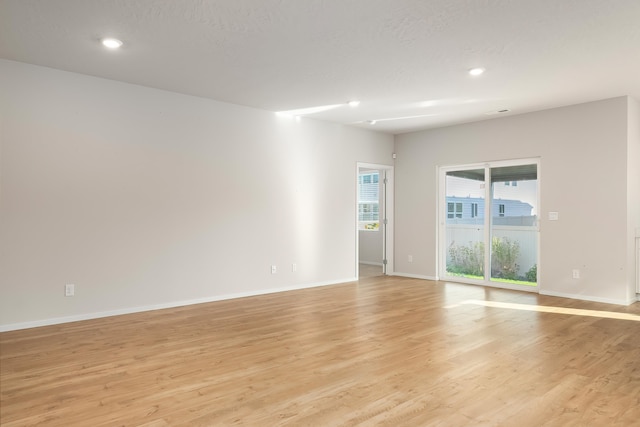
476	71
353	103
371	122
111	43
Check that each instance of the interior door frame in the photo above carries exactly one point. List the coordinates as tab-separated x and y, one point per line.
387	198
442	221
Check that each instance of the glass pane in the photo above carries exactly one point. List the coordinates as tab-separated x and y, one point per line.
368	201
514	238
465	223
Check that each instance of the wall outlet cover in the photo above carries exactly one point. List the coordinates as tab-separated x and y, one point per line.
69	290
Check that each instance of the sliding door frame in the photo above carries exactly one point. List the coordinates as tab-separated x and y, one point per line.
441	206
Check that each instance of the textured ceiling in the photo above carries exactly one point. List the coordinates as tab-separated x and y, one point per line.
400	58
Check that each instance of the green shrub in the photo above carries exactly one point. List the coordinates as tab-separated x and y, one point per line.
532	274
467	260
504	254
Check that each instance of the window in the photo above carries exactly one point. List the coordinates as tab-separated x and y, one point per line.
454	210
368	201
501	210
368	211
474	210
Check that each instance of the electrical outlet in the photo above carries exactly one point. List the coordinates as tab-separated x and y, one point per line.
274	269
69	290
576	273
410	258
294	267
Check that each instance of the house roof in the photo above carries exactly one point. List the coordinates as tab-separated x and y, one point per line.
406	61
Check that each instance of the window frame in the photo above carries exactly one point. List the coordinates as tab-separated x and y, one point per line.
369	210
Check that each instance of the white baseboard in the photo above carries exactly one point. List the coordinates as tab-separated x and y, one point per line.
540	291
413	276
586	297
130	310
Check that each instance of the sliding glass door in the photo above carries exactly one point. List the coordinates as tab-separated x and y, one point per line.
514	224
465	226
495	242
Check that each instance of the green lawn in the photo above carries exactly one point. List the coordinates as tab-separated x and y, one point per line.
494	279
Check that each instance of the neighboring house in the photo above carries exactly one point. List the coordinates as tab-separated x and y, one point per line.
460	209
368	200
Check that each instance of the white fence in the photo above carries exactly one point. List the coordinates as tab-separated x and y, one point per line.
526	236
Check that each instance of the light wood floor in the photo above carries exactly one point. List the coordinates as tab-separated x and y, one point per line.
382	351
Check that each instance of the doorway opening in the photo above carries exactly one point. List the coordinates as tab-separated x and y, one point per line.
489	229
374	220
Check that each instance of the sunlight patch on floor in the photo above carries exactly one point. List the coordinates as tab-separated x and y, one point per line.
549	309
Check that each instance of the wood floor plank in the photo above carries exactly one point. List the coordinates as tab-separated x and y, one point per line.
382	351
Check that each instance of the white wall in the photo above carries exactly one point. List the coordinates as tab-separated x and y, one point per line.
583	151
633	188
370	247
144	198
